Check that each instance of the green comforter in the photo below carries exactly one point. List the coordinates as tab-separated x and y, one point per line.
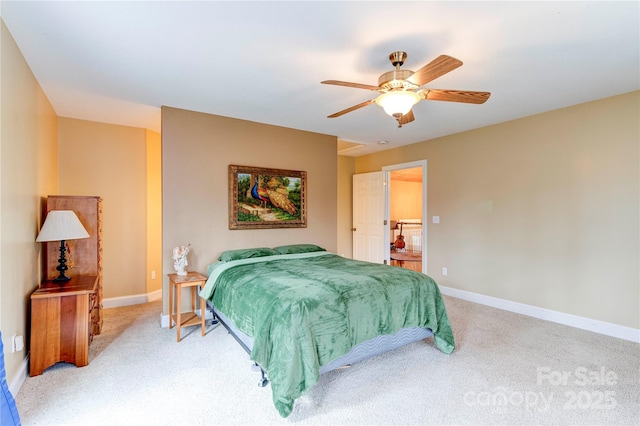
304	310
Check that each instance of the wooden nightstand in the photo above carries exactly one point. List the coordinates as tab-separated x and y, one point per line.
176	282
63	320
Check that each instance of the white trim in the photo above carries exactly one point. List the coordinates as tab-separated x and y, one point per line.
164	320
112	302
601	327
135	299
597	326
20	377
411	165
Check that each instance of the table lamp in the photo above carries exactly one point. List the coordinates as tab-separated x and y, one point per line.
61	225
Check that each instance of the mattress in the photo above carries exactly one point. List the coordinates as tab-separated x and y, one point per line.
362	351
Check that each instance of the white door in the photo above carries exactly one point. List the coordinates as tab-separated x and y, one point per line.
370	230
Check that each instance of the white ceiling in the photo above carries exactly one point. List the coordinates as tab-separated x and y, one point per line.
119	62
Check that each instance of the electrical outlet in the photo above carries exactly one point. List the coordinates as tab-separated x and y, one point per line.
17	343
445	271
153	275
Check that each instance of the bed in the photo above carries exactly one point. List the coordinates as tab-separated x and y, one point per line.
300	311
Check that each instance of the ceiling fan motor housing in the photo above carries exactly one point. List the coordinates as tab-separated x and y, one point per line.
396	79
397	58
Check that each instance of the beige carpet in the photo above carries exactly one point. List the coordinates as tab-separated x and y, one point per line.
507	369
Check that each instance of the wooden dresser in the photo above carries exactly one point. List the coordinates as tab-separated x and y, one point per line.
63	320
85	257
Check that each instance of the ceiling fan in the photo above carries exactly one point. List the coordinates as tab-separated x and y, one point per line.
399	88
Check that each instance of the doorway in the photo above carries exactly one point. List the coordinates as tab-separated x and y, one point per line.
407	213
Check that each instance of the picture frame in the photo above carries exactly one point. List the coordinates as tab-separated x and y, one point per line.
264	198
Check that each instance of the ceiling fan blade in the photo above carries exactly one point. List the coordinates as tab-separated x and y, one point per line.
464	96
353	108
434	69
407	118
347	84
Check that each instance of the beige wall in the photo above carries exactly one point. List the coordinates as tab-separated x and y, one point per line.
121	164
111	161
197	149
28	173
542	210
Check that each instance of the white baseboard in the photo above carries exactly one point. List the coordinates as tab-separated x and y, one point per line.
597	326
20	377
135	299
601	327
112	302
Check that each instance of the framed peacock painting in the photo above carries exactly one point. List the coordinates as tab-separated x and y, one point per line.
262	198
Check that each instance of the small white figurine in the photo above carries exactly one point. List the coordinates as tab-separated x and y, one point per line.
180	258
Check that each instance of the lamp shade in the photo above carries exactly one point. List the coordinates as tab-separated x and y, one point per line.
61	225
398	102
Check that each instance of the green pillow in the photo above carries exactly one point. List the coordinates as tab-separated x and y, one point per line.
298	248
228	255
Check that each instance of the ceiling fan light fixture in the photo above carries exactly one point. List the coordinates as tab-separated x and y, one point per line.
397	102
400	88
